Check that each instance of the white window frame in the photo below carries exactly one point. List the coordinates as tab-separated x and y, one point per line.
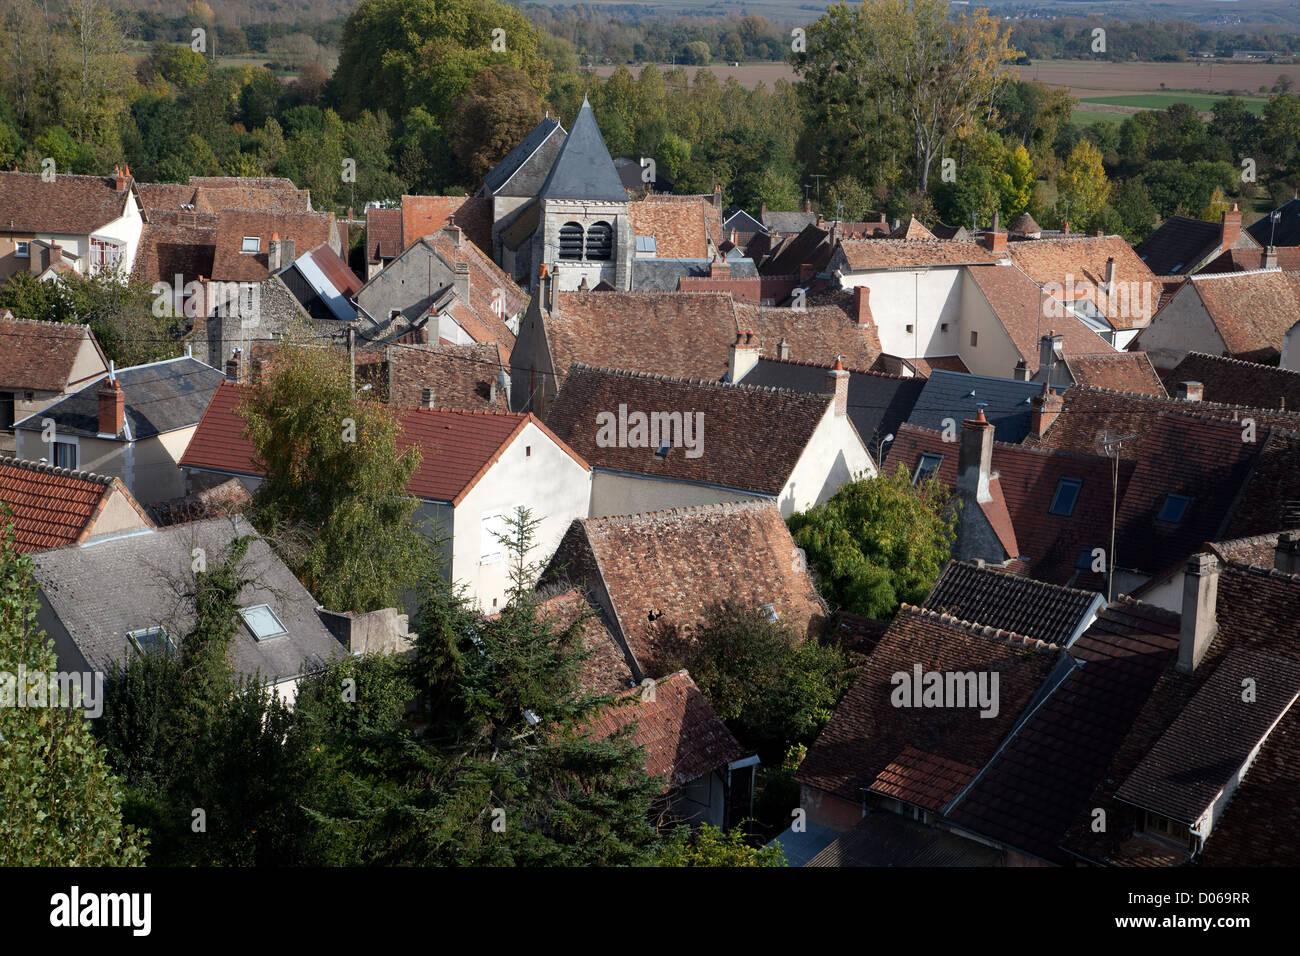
71	443
252	630
491	549
133	642
23	248
257	245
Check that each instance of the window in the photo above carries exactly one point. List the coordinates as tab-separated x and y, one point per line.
1083	561
943	326
491	546
600	241
769	612
1172	511
65	455
909	328
261	620
1067	493
147	640
23	249
104	256
974	339
571	241
928	467
662	450
251	244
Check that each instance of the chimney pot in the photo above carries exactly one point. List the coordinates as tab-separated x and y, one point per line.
783	350
426	397
1045	406
1198	625
1230	228
234	366
837	385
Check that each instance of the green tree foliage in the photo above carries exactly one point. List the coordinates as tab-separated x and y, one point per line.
878	542
710	846
774	688
334	495
499	109
60	805
1082	187
1137	213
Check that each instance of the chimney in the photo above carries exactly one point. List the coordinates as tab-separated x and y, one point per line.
783	350
1200	594
717	195
287	254
1270	258
234	366
1046	405
975	457
862	305
995	240
1066	227
1050	351
547	297
273	253
112	406
897	223
837	384
744	356
453	231
1230	229
1286	557
582	285
719	267
1110	276
426	397
119	179
460	279
806	271
762	213
1021	372
56	254
821	221
807	205
1190	391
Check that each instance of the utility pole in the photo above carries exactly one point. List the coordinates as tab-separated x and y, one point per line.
1108	444
352	358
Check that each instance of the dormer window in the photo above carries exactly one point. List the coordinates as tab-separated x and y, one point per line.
251	244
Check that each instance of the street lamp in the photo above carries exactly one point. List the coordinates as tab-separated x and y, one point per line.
880	446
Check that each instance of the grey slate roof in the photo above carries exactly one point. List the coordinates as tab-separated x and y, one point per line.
661	275
583	168
102	590
878	403
741	221
997	598
954	395
789	222
160	397
1287	230
536	152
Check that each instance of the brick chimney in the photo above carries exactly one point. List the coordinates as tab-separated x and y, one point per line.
762	213
112	406
995	240
1286	557
717	195
1190	391
807	205
837	384
273	253
1230	229
1065	227
862	305
1046	405
119	179
1050	352
235	366
1198	625
1269	260
546	289
743	357
719	267
426	397
975	457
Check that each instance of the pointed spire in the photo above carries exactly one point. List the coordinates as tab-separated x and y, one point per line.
583	168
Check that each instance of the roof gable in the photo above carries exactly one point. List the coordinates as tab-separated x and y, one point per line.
52	507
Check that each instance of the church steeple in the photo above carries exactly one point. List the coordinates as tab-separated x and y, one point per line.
583	169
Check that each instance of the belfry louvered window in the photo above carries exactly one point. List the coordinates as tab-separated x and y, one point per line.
600	241
571	241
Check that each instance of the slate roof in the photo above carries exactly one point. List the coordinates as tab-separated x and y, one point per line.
789	223
67	204
503	172
867	254
160	397
1287	230
987	595
1236	382
748	438
1252	311
955	394
878	403
868	732
422	215
1118	371
1038	786
102	590
684	227
674	564
40	356
682	736
231	264
383	233
1180	244
51	507
461	376
663	275
583	168
457	447
1082	261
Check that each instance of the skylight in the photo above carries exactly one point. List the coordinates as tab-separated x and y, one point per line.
1174	508
927	468
1067	494
261	620
147	639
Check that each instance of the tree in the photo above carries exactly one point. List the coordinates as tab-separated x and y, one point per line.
712	847
772	687
878	542
334	494
1136	211
1016	184
60	805
1082	187
498	110
909	59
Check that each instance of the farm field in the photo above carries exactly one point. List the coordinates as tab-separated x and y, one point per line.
1159	101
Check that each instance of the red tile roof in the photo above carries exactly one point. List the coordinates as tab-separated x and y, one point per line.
1118	371
1080	261
753	290
864	254
230	264
461	376
65	204
683	226
923	779
1027	313
40	356
174	244
1235	382
422	215
1251	310
52	507
682	736
383	234
605	669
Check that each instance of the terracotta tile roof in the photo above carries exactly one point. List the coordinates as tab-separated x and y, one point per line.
1251	310
1025	225
747	437
1118	371
383	233
213	194
1038	786
74	205
1235	382
1081	261
1246	260
422	215
39	356
868	732
461	376
1255	550
227	498
486	277
1026	313
675	564
923	779
230	264
817	333
1271	498
987	595
753	290
605	669
684	227
682	736
456	447
52	507
912	229
813	247
175	244
864	254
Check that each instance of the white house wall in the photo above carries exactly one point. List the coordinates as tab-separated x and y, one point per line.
923	298
994	352
1180	327
833	457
